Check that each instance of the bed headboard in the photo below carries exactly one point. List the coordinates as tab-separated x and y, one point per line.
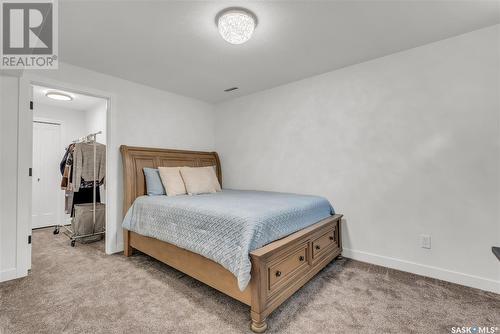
136	158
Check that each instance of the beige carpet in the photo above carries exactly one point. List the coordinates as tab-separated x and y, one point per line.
82	290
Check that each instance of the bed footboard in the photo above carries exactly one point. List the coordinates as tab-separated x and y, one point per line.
284	266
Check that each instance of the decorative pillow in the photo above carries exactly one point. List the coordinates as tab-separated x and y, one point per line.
214	178
200	180
154	187
172	180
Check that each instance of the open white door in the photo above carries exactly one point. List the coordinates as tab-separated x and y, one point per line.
46	178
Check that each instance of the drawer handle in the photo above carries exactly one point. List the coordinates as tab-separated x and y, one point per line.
301	258
318	247
278	273
331	237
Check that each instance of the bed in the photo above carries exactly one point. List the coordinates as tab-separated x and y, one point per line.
271	244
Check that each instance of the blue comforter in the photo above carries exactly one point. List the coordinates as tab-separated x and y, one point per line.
226	226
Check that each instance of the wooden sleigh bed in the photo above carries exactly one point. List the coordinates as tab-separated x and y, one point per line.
278	269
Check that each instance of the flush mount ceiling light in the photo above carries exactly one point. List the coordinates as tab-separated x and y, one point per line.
236	25
59	96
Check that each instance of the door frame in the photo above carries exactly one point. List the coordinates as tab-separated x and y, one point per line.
45	120
25	162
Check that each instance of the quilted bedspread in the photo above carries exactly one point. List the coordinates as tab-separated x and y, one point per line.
225	226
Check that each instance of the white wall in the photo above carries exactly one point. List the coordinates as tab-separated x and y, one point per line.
74	122
8	178
95	119
403	145
140	116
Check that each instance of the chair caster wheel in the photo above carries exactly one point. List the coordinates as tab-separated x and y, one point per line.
73	243
56	230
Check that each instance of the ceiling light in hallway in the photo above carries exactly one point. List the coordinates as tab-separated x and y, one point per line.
59	96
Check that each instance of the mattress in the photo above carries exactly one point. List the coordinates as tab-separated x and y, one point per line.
225	226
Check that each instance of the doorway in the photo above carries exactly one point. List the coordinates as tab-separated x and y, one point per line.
67	125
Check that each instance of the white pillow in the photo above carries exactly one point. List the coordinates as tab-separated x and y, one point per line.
200	180
172	180
214	177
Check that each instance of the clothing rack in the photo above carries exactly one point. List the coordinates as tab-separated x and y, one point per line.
90	138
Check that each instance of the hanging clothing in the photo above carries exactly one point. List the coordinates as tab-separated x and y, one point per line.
83	165
69	150
66	181
90	184
77	169
68	201
85	195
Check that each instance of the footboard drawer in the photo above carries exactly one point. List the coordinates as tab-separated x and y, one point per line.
284	267
323	244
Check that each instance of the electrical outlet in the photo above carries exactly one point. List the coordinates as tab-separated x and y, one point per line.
425	241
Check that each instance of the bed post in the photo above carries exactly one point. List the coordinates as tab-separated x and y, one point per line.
257	284
127	250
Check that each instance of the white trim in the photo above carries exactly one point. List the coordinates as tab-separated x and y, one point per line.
24	162
120	246
424	270
8	274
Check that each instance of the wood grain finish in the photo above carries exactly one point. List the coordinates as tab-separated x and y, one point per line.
134	159
282	268
278	269
322	244
282	255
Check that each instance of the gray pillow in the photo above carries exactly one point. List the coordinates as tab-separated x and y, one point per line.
154	187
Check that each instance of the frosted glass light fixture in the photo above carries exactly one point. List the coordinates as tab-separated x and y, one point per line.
59	96
236	25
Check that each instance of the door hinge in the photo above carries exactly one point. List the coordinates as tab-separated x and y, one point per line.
31	105
29	239
30	171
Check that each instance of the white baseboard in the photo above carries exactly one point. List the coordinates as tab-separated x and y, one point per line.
117	249
8	274
408	266
424	270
